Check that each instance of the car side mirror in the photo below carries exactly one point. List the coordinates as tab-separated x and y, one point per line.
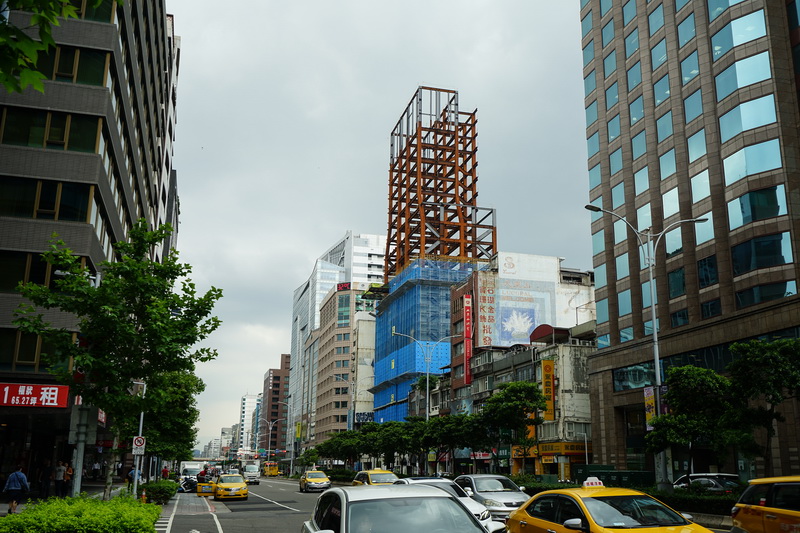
522	489
576	524
688	517
468	491
496	527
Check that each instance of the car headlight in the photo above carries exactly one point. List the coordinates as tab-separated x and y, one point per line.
484	515
492	503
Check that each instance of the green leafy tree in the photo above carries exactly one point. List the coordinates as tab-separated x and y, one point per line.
343	446
510	413
703	411
393	440
451	432
134	326
309	457
766	374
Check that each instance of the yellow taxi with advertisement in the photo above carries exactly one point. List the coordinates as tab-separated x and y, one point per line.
595	508
768	505
230	487
375	477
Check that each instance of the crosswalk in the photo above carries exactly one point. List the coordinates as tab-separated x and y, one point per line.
163	524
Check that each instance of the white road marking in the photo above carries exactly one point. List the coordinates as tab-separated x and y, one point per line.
276	503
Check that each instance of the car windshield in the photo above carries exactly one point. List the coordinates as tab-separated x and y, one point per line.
495	484
231	479
315	475
631	511
251	468
388	477
191	471
400	515
451	488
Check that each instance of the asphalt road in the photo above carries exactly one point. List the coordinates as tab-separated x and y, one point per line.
273	506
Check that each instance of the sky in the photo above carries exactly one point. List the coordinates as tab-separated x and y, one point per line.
285	110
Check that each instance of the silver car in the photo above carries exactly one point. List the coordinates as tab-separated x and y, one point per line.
392	509
498	493
476	508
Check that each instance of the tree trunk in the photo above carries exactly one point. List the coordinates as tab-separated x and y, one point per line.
111	470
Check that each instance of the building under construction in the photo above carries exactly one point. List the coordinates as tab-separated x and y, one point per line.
437	236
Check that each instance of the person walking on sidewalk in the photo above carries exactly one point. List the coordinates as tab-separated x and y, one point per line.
58	480
45	475
16	487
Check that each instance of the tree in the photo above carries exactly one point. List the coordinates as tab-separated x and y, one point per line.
703	410
766	374
513	407
134	326
309	457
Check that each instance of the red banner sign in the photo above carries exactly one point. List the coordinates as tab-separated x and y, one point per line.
548	389
31	395
467	339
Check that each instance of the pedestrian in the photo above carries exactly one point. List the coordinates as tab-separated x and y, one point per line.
16	487
132	475
68	479
45	476
165	472
95	471
58	479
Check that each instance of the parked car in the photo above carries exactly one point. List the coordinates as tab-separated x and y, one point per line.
594	508
392	509
712	482
314	480
375	477
768	505
230	486
476	508
498	493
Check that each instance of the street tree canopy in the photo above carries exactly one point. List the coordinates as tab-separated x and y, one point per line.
135	326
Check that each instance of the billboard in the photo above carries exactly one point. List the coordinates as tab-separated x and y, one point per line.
33	395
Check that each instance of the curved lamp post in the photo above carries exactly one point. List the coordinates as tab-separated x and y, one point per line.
271	424
427	352
645	239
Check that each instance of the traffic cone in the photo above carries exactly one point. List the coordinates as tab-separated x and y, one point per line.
144	496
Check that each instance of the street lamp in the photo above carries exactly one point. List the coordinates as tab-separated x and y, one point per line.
650	259
137	469
427	352
292	428
271	424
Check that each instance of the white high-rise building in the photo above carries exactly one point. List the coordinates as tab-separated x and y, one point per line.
354	258
249	404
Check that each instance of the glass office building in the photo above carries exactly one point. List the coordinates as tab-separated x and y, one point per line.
691	113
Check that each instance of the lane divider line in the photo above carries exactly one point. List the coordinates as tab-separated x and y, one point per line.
276	503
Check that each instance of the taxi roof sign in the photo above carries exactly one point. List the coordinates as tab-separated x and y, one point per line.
592	482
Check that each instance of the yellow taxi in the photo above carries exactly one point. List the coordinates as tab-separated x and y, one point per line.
768	505
314	480
594	508
229	487
375	477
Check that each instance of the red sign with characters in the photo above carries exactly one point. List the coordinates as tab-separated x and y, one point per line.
32	395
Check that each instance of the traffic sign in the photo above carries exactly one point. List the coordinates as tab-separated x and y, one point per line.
138	445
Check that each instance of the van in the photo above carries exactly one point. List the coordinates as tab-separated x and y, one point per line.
768	505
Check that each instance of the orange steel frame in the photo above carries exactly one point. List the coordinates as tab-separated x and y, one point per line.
433	185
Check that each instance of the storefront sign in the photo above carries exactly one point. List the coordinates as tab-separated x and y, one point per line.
31	395
548	389
467	339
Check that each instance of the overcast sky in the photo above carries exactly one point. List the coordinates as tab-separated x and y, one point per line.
284	115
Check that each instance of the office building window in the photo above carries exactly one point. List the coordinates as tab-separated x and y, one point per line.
680	3
613	128
53	130
718	7
656	19
610	64
636	110
593	144
673	242
641	180
605	5
670	202
644	218
707	274
742	73
679	318
697	145
74	65
626	334
591	113
612	96
667	165
757	205
690	68
664	127
628	12
737	32
617	195
601	309
639	145
44	199
586	24
747	116
634	75
765	293
589	83
623	270
686	31
761	252
603	341
658	54
598	242
600	276
693	106
595	176
620	231
711	308
661	90
646	295
608	32
676	282
704	231
700	186
615	161
588	53
752	159
631	43
624	302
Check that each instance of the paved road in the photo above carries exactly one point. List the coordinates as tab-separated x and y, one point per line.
274	506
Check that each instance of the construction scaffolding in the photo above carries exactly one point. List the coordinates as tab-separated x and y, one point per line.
433	185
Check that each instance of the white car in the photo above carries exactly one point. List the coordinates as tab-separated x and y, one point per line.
498	493
392	509
476	508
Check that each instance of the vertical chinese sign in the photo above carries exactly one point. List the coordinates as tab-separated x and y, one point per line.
467	339
548	389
